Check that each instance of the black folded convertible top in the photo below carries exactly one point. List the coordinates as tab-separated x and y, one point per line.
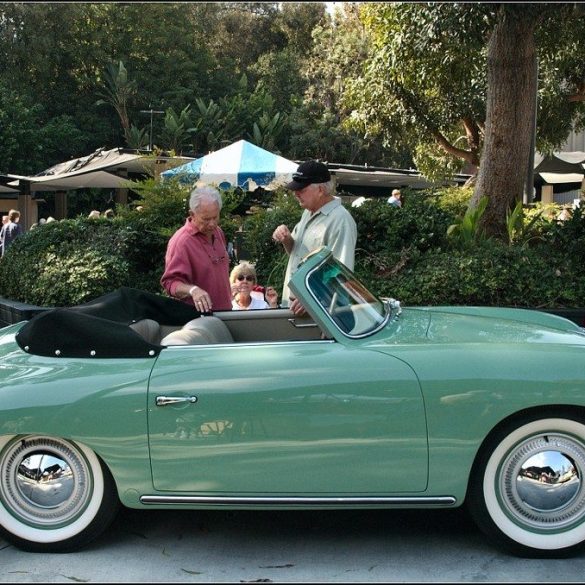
100	328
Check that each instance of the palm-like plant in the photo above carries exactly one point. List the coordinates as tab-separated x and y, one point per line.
137	137
207	127
177	129
466	230
266	131
117	91
519	230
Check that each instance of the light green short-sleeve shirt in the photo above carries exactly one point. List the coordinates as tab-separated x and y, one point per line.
331	226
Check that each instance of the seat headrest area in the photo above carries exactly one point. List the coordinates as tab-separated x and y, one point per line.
149	329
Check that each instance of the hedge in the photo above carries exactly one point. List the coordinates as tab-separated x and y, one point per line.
403	253
67	262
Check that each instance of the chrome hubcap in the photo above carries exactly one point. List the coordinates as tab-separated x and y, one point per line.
541	482
44	482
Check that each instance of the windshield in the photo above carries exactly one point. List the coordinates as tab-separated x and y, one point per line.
353	308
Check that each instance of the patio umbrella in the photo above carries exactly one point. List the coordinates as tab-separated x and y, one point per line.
240	164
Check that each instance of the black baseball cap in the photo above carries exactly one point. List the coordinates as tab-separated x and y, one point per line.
307	173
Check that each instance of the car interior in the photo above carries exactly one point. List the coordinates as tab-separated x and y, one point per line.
232	327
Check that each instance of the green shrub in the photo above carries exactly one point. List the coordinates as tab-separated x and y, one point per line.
453	200
565	240
68	262
382	227
403	253
164	204
492	273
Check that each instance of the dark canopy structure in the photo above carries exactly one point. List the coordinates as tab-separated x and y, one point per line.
101	328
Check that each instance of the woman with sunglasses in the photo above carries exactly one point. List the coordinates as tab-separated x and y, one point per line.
243	282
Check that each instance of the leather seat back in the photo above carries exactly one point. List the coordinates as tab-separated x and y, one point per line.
149	329
204	330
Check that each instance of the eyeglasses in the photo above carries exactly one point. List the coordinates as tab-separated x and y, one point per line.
247	277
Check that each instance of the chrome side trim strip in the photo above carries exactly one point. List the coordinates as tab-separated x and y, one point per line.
342	501
246	344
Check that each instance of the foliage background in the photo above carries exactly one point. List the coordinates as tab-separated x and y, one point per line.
75	77
395	84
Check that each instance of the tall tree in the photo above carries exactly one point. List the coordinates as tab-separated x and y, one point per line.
57	52
512	80
49	54
423	82
436	68
511	89
321	120
19	125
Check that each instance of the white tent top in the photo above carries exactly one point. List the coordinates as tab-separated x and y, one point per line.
65	182
241	164
573	157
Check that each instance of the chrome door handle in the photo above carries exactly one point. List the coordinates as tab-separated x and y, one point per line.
301	325
166	400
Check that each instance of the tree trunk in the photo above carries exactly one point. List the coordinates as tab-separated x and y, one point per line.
511	90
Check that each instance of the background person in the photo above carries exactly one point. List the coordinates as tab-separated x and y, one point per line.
243	281
565	214
10	230
196	261
396	198
325	222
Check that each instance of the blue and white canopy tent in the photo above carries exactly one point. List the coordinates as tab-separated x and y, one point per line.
240	164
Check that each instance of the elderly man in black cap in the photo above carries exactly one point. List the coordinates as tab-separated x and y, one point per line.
325	222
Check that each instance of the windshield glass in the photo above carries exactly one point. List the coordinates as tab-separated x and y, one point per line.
353	308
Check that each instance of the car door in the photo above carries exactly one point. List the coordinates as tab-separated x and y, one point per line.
288	417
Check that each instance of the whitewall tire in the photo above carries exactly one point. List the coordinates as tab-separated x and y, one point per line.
55	495
527	489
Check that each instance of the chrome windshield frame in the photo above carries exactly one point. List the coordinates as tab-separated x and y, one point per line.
387	307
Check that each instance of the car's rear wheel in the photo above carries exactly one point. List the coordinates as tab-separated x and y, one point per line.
55	495
527	489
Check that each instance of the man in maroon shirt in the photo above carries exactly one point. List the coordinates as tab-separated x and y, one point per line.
197	262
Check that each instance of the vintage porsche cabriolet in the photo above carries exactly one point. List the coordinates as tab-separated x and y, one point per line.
138	399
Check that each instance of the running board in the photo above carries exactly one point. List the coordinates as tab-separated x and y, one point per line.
293	502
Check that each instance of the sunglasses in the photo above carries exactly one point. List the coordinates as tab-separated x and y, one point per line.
247	277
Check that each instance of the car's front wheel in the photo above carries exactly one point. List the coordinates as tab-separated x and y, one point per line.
527	489
55	495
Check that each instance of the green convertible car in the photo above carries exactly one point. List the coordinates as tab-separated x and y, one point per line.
137	399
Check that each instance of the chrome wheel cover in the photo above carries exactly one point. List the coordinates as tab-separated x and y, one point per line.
44	482
541	483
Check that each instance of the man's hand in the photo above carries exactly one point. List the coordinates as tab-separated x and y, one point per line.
201	300
296	307
282	234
